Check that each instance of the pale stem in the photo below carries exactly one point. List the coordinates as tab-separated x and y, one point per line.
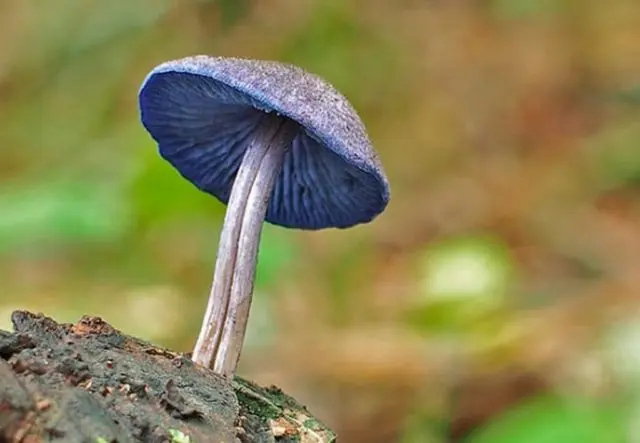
222	334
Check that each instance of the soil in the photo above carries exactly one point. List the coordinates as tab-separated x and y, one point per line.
88	382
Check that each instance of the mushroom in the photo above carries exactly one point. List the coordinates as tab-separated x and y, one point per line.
273	142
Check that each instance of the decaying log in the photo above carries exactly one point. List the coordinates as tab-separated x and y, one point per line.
88	382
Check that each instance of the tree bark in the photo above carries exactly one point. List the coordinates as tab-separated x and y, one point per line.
88	382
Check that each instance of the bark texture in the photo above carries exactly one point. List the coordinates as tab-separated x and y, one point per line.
88	382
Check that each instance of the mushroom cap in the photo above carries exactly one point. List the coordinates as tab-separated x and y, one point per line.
203	111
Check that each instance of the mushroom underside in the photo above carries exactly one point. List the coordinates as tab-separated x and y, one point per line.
204	132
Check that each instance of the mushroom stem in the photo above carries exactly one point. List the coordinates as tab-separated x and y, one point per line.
222	334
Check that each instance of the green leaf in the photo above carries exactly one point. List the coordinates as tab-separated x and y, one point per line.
475	269
552	419
59	212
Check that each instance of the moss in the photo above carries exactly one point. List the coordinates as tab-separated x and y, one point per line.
252	400
286	419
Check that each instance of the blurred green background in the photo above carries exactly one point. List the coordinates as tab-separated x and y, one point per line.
497	300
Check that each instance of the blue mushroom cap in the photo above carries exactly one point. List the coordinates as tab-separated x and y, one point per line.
202	111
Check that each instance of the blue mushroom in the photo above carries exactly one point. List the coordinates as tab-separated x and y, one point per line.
274	143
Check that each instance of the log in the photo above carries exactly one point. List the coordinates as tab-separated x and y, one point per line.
89	383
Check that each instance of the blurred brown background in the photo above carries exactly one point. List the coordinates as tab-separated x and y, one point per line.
497	298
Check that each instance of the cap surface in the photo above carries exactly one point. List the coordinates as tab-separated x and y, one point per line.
202	111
